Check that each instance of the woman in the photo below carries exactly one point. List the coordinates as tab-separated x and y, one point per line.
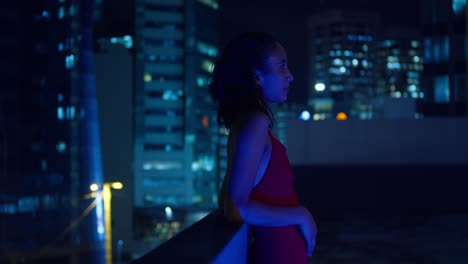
250	75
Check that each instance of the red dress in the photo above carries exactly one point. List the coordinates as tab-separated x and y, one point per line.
284	244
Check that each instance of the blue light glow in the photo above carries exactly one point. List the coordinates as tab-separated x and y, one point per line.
305	115
60	113
458	6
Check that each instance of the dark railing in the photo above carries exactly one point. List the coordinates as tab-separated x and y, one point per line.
211	240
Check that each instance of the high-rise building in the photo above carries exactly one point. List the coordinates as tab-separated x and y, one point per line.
444	79
175	129
44	215
342	60
399	70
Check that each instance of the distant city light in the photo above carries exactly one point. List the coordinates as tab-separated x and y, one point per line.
117	185
305	115
147	77
168	213
320	87
94	187
341	116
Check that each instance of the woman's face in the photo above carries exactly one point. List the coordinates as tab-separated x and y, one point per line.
275	79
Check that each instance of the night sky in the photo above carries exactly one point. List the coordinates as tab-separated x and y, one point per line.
285	19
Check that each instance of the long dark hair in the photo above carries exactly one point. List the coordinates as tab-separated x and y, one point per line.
233	86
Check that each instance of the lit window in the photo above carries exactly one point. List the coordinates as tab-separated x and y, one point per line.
72	10
60	113
207	49
441	89
412	88
70	61
355	62
320	87
207	66
43	165
201	81
168	148
458	6
147	77
415	44
205	121
60	46
305	115
169	95
126	41
162	165
365	64
338	62
61	12
61	147
70	113
210	3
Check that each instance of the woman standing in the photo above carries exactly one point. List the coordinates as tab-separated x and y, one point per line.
250	75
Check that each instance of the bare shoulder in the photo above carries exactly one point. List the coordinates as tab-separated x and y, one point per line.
252	127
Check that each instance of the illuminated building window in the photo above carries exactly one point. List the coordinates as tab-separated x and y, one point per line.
207	49
207	66
338	62
60	113
28	204
61	12
8	209
43	165
126	41
70	113
162	165
147	77
60	46
70	61
205	121
436	49
61	147
201	81
210	3
365	64
441	89
170	95
415	44
458	6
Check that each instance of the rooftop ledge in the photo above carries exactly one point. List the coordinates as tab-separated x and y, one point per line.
211	240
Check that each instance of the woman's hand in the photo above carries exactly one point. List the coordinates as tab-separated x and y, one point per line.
308	229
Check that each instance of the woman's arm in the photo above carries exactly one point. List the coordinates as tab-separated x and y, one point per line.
250	145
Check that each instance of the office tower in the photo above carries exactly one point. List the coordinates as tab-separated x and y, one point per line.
342	60
175	129
444	78
47	158
399	69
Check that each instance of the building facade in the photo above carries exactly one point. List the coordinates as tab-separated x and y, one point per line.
342	60
445	70
46	160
